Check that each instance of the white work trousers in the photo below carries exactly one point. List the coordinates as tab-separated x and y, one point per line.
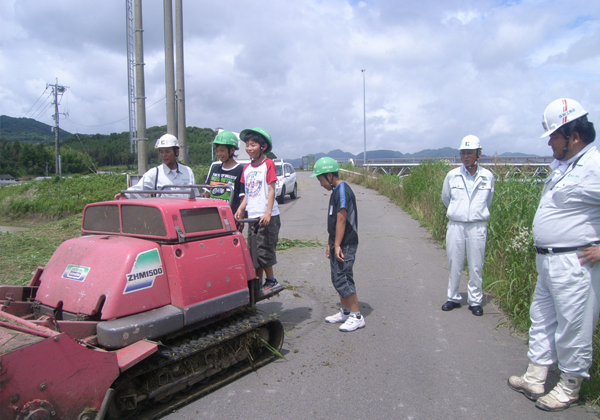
564	313
470	236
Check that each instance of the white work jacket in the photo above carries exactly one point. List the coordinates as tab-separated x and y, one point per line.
569	211
463	207
162	176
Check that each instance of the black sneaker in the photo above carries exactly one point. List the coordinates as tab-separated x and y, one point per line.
269	284
476	310
448	306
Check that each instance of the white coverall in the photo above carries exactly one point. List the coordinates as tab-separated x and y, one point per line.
566	302
180	176
467	228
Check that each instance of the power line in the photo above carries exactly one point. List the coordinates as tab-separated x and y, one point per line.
35	102
88	155
114	122
100	125
43	110
39	110
45	104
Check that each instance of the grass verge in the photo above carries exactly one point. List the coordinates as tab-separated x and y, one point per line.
22	252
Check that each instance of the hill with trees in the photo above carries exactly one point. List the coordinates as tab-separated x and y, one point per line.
27	130
27	148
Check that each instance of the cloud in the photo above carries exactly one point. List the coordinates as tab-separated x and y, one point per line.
435	70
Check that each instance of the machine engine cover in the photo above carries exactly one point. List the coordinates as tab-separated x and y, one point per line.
115	274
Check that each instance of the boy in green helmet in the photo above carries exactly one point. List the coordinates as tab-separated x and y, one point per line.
342	226
229	172
259	177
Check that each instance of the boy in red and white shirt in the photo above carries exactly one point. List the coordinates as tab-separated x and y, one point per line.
259	178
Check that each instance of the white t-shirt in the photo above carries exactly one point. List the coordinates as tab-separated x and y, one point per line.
256	180
162	176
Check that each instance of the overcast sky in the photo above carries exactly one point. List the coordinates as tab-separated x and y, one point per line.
436	70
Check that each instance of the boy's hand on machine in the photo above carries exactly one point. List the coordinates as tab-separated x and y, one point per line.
265	219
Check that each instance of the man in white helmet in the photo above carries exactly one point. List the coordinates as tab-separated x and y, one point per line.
566	233
170	172
467	193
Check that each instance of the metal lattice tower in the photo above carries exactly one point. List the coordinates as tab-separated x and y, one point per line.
131	76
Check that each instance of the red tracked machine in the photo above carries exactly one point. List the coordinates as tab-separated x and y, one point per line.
156	298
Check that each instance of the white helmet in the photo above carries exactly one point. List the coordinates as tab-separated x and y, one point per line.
470	142
559	113
167	140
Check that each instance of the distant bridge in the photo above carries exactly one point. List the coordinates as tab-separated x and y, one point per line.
535	165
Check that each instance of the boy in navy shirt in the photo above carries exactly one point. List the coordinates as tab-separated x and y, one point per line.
342	226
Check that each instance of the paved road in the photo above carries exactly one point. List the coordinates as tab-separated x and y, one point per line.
412	361
4	229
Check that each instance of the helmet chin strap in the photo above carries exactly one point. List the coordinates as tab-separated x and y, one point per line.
262	153
566	149
330	183
474	163
567	131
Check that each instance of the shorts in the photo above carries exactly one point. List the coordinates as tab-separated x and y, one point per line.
266	242
342	275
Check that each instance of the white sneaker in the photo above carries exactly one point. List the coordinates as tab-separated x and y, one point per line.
353	323
337	318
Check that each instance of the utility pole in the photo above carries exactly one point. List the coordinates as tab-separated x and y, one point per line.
365	116
212	149
169	68
140	90
57	90
180	94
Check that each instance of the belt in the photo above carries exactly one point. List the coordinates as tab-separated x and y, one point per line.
561	250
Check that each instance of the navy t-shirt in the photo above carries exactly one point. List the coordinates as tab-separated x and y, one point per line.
342	197
222	176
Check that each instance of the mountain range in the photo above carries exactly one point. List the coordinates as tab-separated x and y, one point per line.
445	152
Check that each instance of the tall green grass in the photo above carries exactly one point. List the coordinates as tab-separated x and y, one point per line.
55	198
509	270
510	273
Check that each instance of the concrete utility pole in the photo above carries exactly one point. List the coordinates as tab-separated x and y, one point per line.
169	68
181	134
56	91
365	116
140	91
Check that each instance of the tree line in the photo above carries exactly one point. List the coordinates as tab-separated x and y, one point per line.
83	153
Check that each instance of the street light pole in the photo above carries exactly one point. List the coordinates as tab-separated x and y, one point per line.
364	117
212	149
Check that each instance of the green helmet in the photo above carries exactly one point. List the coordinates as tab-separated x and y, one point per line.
226	138
325	165
259	131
